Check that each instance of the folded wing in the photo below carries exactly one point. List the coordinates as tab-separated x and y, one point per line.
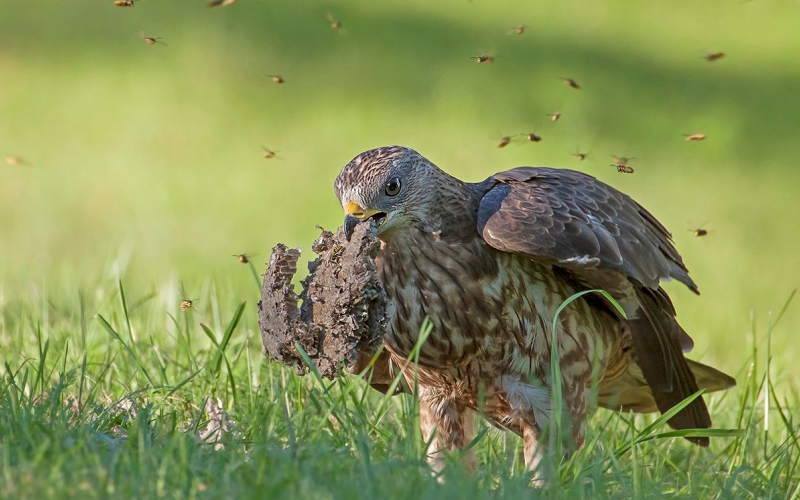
602	239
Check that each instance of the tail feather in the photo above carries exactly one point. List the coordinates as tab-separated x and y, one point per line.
693	416
656	338
710	378
629	391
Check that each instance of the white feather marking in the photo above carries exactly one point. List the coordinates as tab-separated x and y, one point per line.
353	195
525	398
584	260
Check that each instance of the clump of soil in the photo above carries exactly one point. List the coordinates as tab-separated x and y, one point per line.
343	314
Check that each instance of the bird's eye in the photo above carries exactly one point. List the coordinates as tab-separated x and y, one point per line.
393	186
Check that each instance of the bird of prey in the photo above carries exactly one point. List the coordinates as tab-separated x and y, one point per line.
489	263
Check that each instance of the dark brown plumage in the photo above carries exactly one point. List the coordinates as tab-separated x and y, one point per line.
489	263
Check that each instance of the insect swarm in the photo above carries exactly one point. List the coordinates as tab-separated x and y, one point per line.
694	137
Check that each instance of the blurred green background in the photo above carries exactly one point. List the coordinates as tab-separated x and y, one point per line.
147	160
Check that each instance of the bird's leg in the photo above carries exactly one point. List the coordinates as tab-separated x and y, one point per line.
533	450
576	401
530	406
573	422
448	428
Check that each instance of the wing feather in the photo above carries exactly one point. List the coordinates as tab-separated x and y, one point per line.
559	215
603	239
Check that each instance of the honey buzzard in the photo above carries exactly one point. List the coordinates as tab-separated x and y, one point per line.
489	263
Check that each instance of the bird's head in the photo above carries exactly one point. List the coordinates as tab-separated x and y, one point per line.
393	185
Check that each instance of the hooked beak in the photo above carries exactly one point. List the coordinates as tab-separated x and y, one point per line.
350	226
354	214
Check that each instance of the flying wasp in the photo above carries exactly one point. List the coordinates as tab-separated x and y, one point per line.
187	304
580	156
505	141
714	56
620	160
623	169
151	40
335	23
15	160
243	258
532	137
224	3
483	58
124	3
570	82
694	137
699	232
268	153
621	163
554	116
277	78
517	30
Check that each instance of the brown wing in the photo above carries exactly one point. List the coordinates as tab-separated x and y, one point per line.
603	239
567	216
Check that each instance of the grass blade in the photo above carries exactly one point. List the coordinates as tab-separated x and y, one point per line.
107	327
226	338
209	334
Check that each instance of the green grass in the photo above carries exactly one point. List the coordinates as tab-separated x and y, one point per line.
115	403
145	169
